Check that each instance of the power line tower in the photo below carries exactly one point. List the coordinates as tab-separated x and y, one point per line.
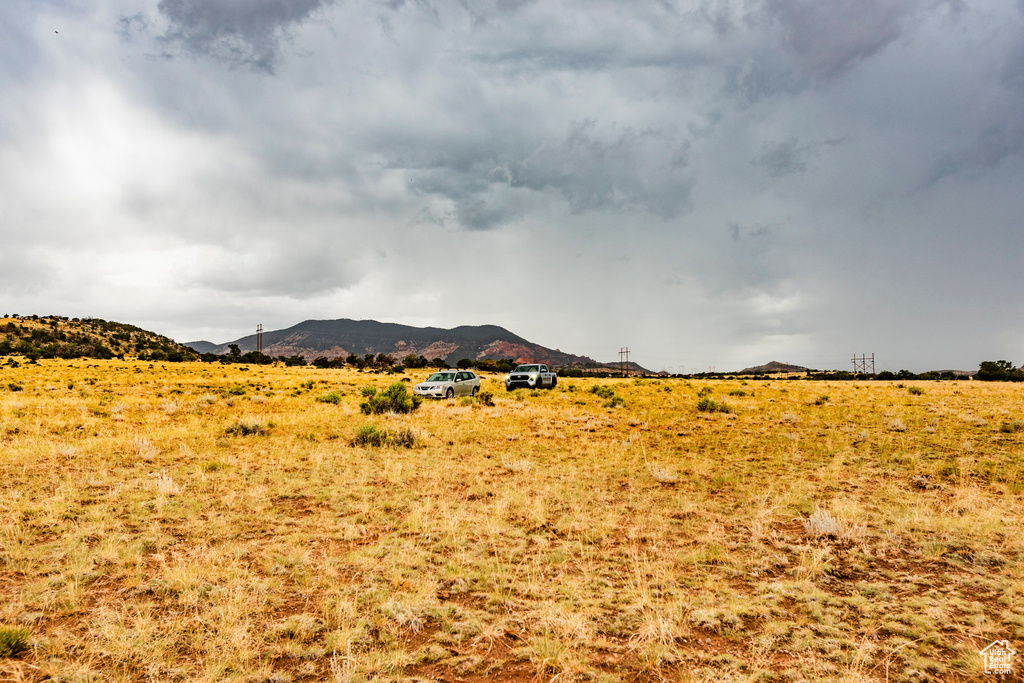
864	364
259	338
624	366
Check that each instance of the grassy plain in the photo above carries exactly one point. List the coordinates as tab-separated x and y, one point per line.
199	522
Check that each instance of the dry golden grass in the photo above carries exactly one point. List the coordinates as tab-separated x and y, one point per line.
213	523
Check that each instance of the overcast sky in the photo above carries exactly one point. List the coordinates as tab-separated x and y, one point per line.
710	183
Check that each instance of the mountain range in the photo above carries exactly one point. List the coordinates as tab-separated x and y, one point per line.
333	338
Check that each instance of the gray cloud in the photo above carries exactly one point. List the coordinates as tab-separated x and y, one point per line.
239	32
783	158
830	37
446	131
302	272
23	273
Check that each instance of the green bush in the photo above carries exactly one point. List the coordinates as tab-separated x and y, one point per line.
367	391
332	397
13	641
915	391
614	402
247	428
369	435
394	399
486	398
1012	427
602	391
707	405
703	391
821	400
375	437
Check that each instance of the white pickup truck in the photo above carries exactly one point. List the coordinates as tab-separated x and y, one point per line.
532	376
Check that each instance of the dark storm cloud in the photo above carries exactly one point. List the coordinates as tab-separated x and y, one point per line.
830	37
589	169
611	170
783	158
999	134
240	32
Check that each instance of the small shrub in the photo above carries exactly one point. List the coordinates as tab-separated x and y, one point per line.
896	425
14	386
821	400
602	391
661	474
516	464
367	391
614	402
333	397
915	391
708	405
237	390
394	399
703	391
1012	426
403	437
373	436
369	435
737	392
486	398
822	523
13	641
247	428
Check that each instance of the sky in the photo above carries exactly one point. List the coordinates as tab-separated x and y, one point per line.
710	183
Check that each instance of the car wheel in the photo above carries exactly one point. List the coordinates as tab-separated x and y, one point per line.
554	381
475	389
450	393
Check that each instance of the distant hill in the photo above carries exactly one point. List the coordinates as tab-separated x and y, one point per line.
339	338
772	368
53	336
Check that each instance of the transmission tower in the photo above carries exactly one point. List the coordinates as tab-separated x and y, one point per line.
864	364
624	365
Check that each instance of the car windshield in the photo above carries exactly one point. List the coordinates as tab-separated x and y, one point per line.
527	368
441	377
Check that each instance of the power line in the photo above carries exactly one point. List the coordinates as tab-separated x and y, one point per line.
624	367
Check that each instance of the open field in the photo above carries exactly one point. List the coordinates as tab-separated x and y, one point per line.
215	523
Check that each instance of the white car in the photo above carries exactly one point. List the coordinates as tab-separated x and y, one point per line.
535	376
448	384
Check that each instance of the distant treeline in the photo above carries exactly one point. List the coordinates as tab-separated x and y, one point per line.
989	371
381	361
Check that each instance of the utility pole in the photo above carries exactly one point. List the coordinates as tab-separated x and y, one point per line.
624	365
863	364
259	338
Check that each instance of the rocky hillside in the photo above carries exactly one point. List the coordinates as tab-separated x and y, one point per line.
59	337
339	338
